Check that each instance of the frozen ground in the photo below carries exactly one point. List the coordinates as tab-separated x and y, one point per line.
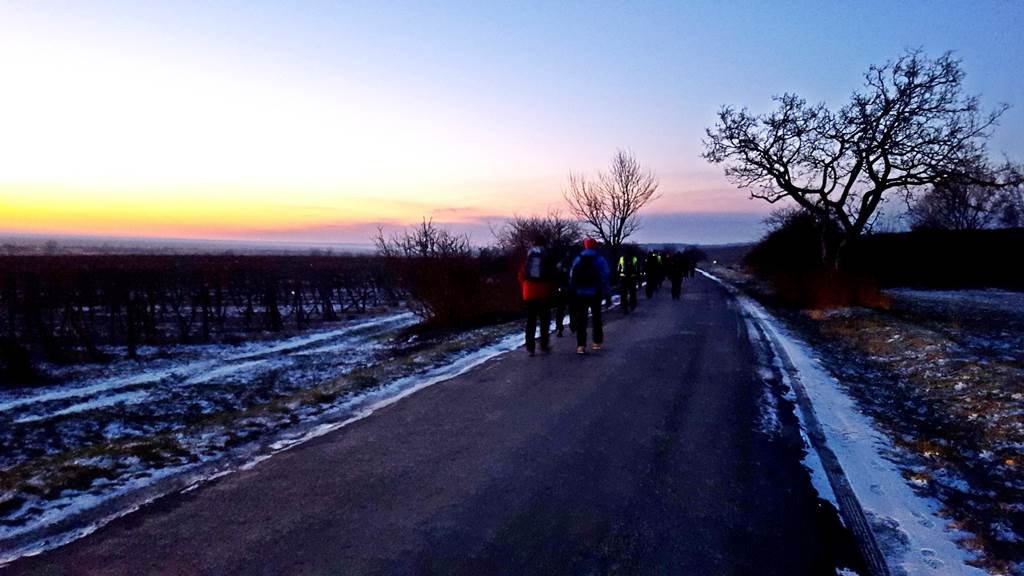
944	377
939	375
109	438
987	323
174	370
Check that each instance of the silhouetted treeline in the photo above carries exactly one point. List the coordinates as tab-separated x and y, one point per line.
453	292
67	308
947	259
790	258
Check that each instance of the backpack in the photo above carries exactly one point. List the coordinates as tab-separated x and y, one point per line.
584	273
535	268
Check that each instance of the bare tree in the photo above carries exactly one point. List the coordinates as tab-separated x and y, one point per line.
611	204
437	269
781	217
560	232
909	127
426	241
1011	203
955	205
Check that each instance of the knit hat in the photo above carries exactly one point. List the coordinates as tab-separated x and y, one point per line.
589	243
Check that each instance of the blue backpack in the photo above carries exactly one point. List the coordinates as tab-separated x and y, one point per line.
584	273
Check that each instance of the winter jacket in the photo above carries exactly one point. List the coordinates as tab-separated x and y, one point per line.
603	284
534	289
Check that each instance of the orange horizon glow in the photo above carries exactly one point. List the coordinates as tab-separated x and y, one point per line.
193	213
238	212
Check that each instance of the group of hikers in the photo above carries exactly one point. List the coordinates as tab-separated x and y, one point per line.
582	283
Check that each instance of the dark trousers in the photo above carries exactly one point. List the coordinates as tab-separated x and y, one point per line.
677	286
582	306
627	294
562	305
538	311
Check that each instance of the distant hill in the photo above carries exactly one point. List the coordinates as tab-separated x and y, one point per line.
727	254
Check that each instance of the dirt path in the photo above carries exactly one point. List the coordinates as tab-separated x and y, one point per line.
647	457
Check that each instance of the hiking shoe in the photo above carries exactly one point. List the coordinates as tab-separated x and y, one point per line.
545	350
581	350
532	353
596	346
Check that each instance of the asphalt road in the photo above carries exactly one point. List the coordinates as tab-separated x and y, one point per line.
644	458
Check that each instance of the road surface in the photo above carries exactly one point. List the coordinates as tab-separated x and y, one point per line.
644	458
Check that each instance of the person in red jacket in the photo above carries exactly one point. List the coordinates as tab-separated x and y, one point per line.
537	278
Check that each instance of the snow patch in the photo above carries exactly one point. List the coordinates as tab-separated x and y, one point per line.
224	371
59	509
1006	300
819	478
768	405
367	403
107	385
132	397
912	535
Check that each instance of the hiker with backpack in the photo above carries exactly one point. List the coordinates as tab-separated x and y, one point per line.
588	277
537	277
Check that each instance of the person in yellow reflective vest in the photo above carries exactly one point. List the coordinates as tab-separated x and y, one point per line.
628	275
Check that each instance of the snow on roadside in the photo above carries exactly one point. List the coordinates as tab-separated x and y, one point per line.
912	535
197	371
767	403
365	404
85	502
104	502
769	369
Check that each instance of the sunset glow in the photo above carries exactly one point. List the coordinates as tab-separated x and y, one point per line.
188	120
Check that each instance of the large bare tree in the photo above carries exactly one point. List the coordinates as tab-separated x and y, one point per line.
909	127
610	205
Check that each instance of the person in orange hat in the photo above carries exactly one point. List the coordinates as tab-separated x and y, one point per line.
589	280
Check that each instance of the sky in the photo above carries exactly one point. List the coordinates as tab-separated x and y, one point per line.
319	121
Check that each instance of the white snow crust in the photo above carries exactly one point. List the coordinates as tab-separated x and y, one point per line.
911	534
